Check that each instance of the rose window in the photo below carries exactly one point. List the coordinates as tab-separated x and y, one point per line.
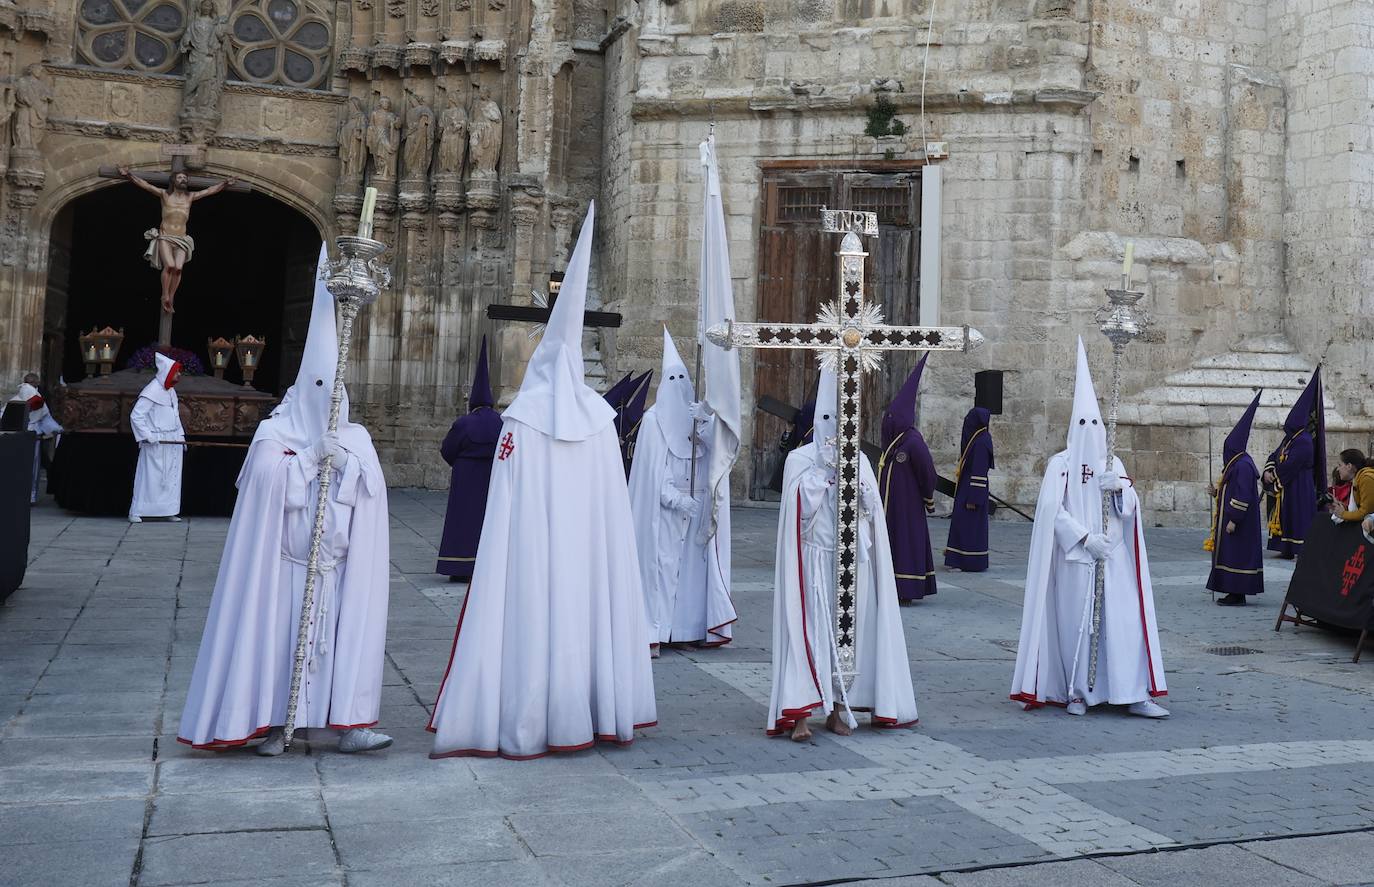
279	41
140	35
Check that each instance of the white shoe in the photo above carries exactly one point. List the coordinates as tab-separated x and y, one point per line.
1148	709
362	739
174	519
135	519
1077	707
274	744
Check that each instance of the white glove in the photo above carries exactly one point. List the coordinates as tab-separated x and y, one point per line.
1110	482
1336	518
701	412
1099	545
868	498
328	445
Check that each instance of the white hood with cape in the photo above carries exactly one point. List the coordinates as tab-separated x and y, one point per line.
155	418
551	651
804	653
684	565
1056	622
242	676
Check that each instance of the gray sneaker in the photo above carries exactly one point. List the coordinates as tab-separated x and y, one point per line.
274	744
362	739
1148	709
1077	707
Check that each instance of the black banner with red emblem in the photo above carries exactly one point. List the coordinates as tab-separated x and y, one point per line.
1333	581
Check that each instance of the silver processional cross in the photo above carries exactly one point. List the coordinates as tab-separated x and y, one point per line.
850	337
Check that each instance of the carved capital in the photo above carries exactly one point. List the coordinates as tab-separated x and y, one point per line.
450	221
355	58
26	169
388	55
413	220
419	55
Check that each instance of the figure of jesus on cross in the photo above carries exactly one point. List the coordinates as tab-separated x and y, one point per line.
169	246
850	337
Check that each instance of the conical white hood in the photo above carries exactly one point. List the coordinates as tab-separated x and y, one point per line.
157	390
673	401
554	396
1087	452
827	424
303	414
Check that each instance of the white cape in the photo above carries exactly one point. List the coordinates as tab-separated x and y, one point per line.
157	481
242	677
686	581
804	598
1052	656
551	652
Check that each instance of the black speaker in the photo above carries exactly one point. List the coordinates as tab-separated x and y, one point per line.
987	390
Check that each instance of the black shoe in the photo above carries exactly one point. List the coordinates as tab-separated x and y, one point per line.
1232	600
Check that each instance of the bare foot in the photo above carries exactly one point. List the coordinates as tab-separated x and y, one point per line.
801	731
837	724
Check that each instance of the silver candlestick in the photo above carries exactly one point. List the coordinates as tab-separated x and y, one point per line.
1122	322
356	278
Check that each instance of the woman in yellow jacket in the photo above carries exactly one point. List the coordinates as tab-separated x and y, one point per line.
1356	470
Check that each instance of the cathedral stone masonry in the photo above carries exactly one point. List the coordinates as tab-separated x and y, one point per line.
1231	140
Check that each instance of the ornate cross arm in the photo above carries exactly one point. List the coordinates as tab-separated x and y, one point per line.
814	336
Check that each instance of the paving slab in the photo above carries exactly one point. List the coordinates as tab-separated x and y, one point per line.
97	649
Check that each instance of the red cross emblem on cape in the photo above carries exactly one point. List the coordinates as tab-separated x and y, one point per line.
1354	569
507	447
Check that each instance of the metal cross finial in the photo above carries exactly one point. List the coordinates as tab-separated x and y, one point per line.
850	336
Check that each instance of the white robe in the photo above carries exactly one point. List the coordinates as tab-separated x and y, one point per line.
804	652
551	652
1056	624
157	482
242	677
686	580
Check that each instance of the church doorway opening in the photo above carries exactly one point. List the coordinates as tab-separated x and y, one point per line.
251	273
797	268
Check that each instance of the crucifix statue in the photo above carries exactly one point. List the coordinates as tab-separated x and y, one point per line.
850	336
169	246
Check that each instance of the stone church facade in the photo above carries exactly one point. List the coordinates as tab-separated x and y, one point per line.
1010	147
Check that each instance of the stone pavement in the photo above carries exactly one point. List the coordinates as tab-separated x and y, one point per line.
1261	776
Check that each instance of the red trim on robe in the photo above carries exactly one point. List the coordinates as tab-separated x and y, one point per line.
790	716
348	726
225	744
716	631
451	652
1144	623
549	750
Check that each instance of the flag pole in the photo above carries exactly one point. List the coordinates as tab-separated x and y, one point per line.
355	280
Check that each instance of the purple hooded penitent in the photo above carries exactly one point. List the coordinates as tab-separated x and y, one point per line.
967	546
469	450
629	417
1299	467
906	480
1238	556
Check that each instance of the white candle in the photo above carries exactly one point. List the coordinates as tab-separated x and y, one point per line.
369	207
1126	265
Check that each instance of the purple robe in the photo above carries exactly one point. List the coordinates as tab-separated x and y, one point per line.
906	480
1238	556
967	546
629	416
1299	463
469	449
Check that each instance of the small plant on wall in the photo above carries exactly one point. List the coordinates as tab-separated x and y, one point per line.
882	119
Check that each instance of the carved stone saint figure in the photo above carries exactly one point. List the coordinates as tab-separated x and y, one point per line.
203	44
419	145
383	138
453	135
484	140
32	96
352	140
169	246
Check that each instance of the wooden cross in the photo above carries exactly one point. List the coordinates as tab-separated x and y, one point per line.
539	312
851	338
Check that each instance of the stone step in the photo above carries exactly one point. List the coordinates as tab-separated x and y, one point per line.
1272	344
